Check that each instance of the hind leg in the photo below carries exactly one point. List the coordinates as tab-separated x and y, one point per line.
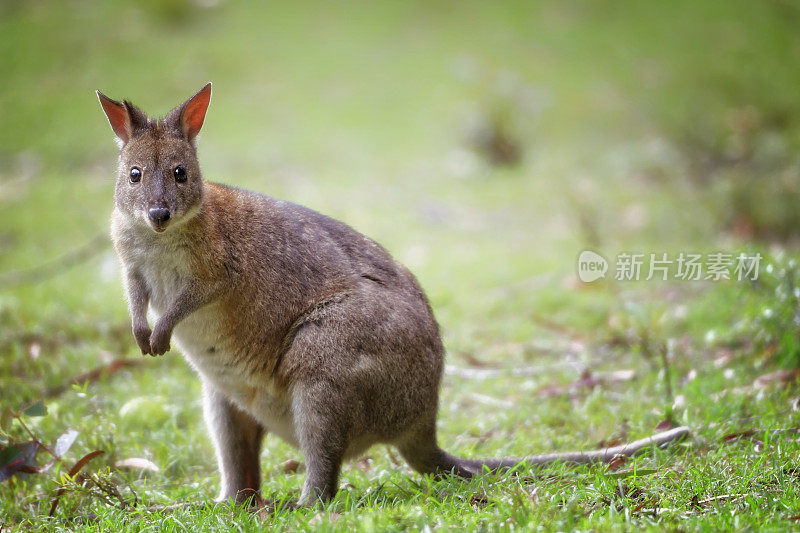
361	369
237	439
321	427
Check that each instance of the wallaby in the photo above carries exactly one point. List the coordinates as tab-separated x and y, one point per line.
295	323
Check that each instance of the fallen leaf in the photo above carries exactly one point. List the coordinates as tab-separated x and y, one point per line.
781	377
645	504
291	466
16	457
762	434
617	462
587	381
610	443
724	357
666	424
94	375
64	442
83	460
473	361
137	463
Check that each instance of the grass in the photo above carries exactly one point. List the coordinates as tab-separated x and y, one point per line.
369	114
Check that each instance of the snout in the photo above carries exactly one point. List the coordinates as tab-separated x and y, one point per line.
159	216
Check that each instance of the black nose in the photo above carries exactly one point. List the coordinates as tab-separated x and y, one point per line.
159	215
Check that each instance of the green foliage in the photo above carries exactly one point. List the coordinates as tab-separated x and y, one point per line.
37	409
658	127
776	309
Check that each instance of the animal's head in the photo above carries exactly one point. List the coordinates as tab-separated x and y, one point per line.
158	181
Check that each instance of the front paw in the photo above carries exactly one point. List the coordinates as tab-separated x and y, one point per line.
142	335
159	340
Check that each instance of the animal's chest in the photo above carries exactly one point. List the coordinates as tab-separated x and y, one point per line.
166	277
209	344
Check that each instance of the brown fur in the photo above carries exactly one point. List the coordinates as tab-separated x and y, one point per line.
295	323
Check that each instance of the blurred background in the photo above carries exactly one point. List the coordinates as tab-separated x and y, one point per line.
482	144
485	144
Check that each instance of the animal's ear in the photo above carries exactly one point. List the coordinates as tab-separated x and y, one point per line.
189	116
118	117
124	117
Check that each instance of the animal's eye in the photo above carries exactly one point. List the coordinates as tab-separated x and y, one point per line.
180	174
136	175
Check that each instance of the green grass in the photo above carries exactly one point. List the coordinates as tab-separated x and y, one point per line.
635	136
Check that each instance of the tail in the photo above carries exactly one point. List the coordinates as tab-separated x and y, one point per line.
434	460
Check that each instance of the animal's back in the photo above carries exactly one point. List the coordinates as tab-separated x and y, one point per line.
287	260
